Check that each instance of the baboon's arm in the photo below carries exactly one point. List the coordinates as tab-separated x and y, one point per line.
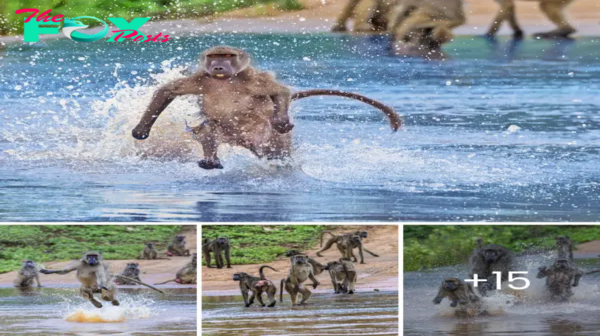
440	296
228	255
37	280
163	97
506	12
314	280
578	276
62	271
543	272
360	252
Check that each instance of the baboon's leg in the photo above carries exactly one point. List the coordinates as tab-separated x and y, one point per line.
334	283
88	294
351	281
219	258
514	25
228	256
109	295
306	293
259	298
209	135
554	11
292	290
37	280
418	18
340	25
245	296
271	293
207	259
326	247
360	252
251	301
369	252
507	9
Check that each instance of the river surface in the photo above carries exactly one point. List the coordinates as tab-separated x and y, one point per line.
499	132
525	312
60	311
374	313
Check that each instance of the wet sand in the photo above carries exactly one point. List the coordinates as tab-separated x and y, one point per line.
377	273
319	15
153	271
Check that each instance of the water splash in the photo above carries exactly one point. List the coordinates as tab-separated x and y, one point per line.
129	309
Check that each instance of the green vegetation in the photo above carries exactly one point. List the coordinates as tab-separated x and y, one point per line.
255	244
128	9
68	242
428	246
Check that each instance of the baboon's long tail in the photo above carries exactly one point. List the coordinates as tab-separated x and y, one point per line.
162	283
138	282
395	119
281	291
262	275
324	232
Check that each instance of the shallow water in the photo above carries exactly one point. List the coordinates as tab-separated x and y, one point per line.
359	314
531	315
501	132
47	311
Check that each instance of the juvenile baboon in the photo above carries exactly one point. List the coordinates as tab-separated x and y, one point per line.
187	274
300	271
217	247
177	247
27	274
94	278
343	276
564	247
350	239
559	278
132	271
242	106
421	27
461	296
553	9
488	259
317	266
257	286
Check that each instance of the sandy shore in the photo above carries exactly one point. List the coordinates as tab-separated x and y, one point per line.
153	271
319	15
377	273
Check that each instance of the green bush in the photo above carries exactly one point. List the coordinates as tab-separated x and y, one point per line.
427	246
68	242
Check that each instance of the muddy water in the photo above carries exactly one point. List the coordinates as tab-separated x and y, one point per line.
529	314
374	313
59	311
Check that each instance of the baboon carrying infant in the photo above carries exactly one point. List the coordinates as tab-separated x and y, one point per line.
242	106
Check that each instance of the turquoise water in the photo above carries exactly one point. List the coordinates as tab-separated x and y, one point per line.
499	132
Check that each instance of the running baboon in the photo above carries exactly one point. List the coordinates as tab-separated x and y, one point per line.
217	247
553	9
27	274
559	278
343	276
488	259
132	271
421	27
370	15
317	266
177	247
242	106
93	275
187	274
300	271
461	296
338	238
350	239
257	286
565	247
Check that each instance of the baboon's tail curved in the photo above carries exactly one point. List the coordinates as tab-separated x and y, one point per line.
324	232
395	120
162	283
260	271
281	290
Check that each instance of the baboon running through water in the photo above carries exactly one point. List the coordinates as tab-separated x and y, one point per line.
461	296
242	106
560	277
488	259
257	286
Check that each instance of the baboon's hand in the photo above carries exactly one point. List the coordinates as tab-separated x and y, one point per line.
315	285
45	271
543	268
141	132
518	35
437	300
104	287
454	304
281	125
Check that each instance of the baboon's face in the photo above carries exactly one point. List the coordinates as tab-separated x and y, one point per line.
239	276
450	284
363	234
563	240
150	245
92	259
355	239
300	260
28	263
222	241
490	256
224	62
180	238
561	263
132	266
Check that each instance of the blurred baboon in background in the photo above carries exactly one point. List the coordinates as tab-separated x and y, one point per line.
488	259
27	275
187	274
369	15
132	271
177	247
553	9
560	277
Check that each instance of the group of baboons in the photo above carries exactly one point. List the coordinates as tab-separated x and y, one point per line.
342	272
95	278
561	276
422	26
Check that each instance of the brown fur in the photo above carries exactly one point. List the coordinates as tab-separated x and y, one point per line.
257	286
300	271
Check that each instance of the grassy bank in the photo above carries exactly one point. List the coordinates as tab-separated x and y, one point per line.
253	244
67	242
10	23
434	246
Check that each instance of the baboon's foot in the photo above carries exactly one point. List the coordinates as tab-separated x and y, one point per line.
518	35
272	304
228	266
319	255
362	262
339	28
351	292
210	164
247	305
115	302
557	33
97	304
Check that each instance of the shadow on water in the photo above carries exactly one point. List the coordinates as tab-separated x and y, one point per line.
60	311
529	313
359	314
503	131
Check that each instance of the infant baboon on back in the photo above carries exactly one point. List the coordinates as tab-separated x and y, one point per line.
242	106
